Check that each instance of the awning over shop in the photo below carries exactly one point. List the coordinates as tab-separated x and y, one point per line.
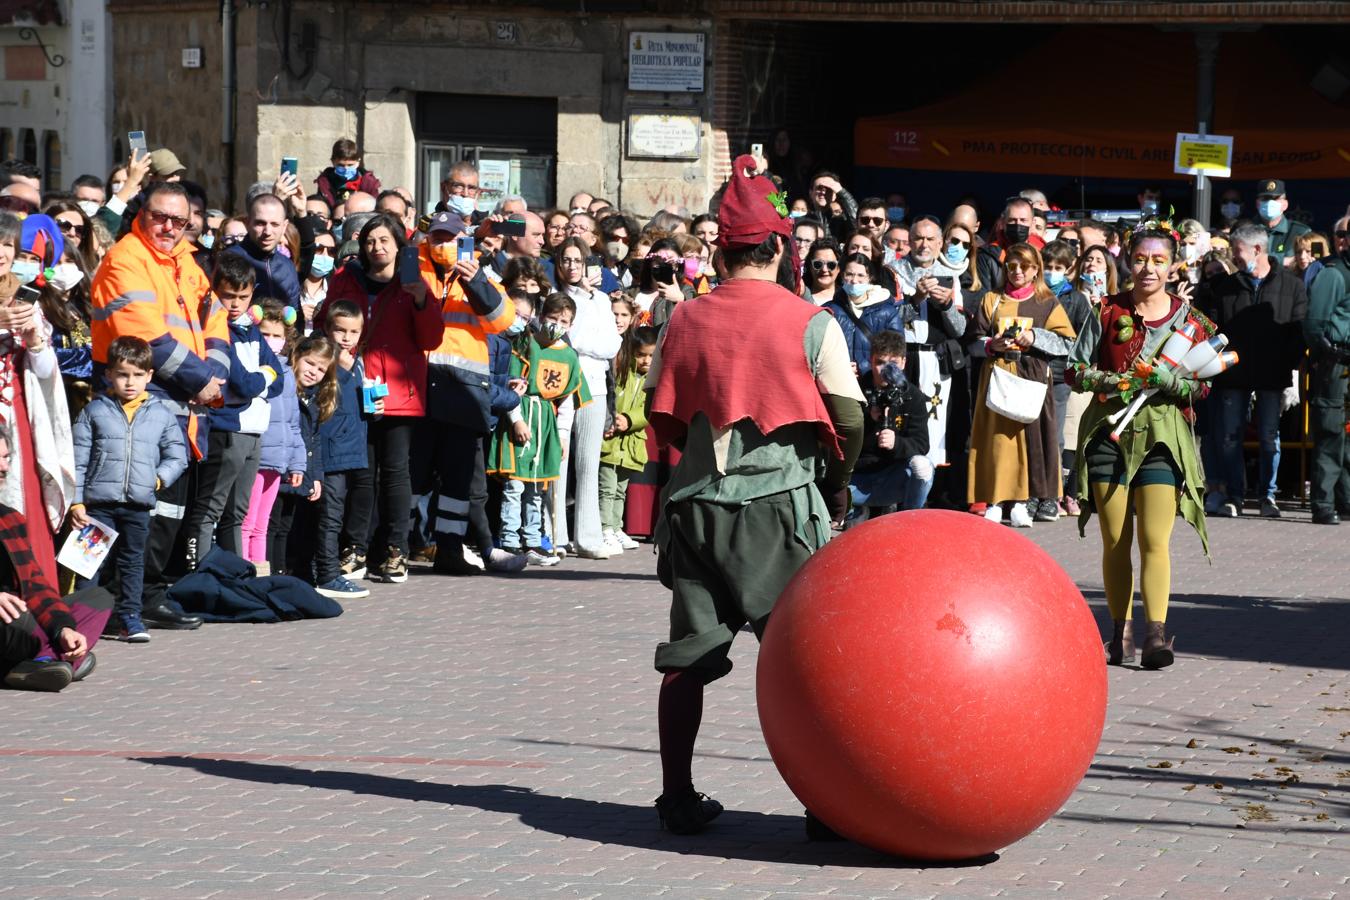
1066	122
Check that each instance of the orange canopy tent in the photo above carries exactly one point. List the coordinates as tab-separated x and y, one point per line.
1066	123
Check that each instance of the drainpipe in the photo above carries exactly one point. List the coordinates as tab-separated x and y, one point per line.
227	96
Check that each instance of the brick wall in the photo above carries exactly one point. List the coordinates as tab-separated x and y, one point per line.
761	70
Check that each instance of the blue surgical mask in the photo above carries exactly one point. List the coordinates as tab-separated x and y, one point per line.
854	291
1150	207
1269	209
26	270
206	241
461	206
956	254
797	213
1054	279
1230	210
517	326
347	172
321	267
1249	266
895	214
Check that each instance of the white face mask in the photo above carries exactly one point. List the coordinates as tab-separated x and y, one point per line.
65	276
116	186
88	207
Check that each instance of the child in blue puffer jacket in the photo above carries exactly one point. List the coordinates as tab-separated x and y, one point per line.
127	446
282	457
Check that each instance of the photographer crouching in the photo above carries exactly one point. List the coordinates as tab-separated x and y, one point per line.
893	468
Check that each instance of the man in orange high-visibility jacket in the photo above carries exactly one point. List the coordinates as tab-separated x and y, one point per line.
458	391
150	287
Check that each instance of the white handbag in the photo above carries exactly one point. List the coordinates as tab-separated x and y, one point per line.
1014	397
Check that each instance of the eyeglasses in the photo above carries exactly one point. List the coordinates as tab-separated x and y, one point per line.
871	220
163	218
69	227
824	265
577	228
957	242
558	228
571	262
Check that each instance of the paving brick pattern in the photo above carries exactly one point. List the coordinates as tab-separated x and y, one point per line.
496	737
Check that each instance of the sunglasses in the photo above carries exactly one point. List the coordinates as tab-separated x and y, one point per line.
163	218
71	227
871	220
824	265
321	250
957	242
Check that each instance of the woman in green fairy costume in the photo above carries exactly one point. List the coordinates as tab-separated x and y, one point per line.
1137	484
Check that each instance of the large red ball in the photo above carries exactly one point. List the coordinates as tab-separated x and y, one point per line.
932	685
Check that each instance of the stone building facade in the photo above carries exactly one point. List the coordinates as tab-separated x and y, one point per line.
419	85
54	97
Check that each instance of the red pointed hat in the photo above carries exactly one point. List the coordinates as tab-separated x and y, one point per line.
752	208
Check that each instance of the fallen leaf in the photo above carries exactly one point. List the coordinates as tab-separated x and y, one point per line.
1160	765
1191	744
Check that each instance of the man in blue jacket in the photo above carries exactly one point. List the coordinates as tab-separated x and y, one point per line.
275	272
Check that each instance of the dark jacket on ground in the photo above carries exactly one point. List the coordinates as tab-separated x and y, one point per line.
1264	324
226	588
911	437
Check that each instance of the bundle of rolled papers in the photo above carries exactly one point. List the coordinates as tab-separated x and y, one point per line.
1181	355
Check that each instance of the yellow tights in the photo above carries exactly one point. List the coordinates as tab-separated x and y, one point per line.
1155	506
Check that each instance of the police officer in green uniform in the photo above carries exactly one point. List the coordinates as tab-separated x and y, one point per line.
1327	332
1271	206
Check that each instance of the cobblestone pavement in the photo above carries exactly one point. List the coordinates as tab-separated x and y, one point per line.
476	737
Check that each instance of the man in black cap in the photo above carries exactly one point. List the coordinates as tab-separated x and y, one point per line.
1271	206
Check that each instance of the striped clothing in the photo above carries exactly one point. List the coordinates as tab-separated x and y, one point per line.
20	574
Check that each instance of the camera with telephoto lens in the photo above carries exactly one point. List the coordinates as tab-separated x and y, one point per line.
890	395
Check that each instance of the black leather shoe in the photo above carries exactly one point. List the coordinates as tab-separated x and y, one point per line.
169	619
687	812
86	666
31	675
1326	517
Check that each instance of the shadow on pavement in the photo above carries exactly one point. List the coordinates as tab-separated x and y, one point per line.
1304	631
627	749
736	834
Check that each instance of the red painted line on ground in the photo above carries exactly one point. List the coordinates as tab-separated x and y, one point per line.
273	757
